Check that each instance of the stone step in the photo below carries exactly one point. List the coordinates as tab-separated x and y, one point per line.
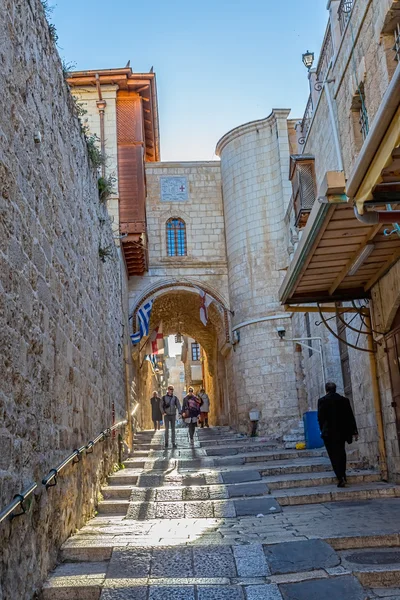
76	581
292	445
147	499
121	492
322	478
312	565
114	506
357	492
124	477
191	509
210	487
294	437
228	442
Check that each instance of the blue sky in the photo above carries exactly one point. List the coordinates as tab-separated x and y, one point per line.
219	63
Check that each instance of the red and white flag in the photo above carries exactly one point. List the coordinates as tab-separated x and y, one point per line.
205	303
156	341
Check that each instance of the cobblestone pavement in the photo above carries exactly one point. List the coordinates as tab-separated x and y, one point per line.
234	518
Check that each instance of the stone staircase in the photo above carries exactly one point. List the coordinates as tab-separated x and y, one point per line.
228	496
295	436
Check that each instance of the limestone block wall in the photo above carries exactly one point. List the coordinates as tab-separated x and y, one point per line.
256	192
61	364
311	365
205	264
386	301
202	213
362	58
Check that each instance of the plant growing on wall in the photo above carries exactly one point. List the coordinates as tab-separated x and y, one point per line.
67	67
106	187
96	156
47	12
106	252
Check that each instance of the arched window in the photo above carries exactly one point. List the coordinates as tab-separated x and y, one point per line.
176	237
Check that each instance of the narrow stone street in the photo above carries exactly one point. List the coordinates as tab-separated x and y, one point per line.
233	518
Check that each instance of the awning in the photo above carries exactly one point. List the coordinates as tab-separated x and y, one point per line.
338	258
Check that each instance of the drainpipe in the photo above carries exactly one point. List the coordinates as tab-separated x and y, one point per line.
377	401
378	216
101	106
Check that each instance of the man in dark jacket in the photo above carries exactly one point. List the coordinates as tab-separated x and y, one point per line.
169	405
338	426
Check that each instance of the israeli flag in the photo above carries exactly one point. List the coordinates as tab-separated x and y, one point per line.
143	317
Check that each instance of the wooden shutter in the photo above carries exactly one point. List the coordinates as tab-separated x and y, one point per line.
131	174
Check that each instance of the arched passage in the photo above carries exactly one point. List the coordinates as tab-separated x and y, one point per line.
177	307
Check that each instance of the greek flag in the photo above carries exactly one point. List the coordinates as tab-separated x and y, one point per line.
143	317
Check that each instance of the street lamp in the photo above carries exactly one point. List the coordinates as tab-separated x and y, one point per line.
308	59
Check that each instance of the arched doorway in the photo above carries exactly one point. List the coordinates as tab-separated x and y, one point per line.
178	309
393	354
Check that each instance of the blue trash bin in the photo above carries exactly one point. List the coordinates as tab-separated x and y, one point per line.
311	430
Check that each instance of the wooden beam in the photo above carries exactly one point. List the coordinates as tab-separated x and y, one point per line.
324	309
383	269
353	259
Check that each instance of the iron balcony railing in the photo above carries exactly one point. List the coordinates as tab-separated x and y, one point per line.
306	122
50	479
396	47
344	12
325	57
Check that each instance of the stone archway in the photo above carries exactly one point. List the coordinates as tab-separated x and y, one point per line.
178	308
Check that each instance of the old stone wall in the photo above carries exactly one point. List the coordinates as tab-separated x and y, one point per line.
311	359
386	302
61	316
362	60
202	212
255	166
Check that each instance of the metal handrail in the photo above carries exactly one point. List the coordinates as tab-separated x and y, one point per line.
76	455
50	480
18	500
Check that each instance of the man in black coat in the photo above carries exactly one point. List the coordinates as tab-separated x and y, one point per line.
338	426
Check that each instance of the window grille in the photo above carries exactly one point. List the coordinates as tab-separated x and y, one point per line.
302	176
364	123
195	351
361	113
176	237
396	47
344	12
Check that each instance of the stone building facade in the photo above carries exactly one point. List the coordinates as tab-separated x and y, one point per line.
63	311
351	120
219	228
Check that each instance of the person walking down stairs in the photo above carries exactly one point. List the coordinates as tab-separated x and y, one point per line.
205	408
338	426
170	404
156	414
191	411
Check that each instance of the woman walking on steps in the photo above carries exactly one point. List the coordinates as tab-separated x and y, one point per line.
156	414
205	408
191	412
